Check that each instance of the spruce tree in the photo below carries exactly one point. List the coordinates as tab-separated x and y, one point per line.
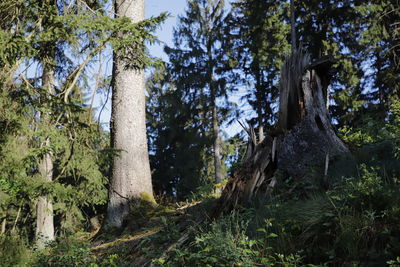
46	113
177	148
131	177
199	64
260	33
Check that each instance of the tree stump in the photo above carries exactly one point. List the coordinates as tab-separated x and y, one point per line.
302	139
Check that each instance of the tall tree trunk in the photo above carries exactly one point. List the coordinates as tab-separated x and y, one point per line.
217	146
259	91
131	177
260	132
215	123
3	226
293	26
44	208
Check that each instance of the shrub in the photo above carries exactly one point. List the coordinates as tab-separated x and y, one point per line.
66	252
13	251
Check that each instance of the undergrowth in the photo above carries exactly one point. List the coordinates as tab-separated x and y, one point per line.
356	222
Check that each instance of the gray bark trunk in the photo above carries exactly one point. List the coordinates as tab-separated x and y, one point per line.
131	177
44	208
3	226
260	132
215	123
217	147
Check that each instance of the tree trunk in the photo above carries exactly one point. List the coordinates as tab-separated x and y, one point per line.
131	177
3	226
261	135
215	123
44	208
217	146
293	27
302	140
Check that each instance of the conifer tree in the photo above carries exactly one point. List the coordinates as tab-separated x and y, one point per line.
177	149
199	63
46	114
131	177
260	33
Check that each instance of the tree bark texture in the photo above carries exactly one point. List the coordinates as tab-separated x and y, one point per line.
302	140
215	122
44	208
293	26
217	147
131	177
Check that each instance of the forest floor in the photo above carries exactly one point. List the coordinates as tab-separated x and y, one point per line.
311	227
355	222
151	233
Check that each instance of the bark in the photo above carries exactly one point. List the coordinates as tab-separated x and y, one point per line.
3	226
261	135
302	140
44	208
217	147
131	177
293	26
215	123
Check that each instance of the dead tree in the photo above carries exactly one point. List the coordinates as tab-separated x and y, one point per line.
302	139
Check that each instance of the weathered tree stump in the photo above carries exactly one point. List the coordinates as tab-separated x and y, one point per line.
302	139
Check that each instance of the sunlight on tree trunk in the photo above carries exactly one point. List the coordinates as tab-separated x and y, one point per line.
131	177
217	147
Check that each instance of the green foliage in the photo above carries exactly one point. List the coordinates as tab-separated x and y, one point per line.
394	263
71	252
225	243
68	252
354	223
39	120
14	251
174	144
258	32
394	127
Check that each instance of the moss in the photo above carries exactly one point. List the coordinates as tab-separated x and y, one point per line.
149	198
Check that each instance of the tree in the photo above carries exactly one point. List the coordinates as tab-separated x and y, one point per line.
200	62
44	210
178	151
54	153
131	177
260	33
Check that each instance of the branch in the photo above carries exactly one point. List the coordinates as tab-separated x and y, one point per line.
80	69
11	72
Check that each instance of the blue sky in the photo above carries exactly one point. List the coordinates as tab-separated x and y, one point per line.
164	34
